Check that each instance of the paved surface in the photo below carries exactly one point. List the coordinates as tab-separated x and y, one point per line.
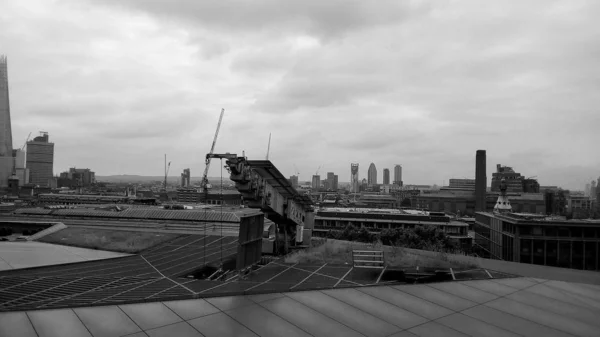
504	307
15	255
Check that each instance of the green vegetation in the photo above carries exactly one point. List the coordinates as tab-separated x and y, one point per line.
420	237
111	240
396	257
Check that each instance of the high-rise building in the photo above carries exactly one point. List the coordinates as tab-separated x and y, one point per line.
294	181
334	186
185	178
330	180
593	189
6	149
398	175
316	182
40	160
372	175
354	182
386	176
587	191
20	170
480	181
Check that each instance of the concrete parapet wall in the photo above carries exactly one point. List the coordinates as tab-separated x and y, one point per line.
57	227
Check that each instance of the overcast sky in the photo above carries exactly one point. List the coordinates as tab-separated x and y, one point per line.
119	83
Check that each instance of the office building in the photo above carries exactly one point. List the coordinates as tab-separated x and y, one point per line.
77	178
386	176
587	190
294	181
40	160
6	149
538	239
354	182
515	181
462	184
372	175
593	189
330	181
316	182
480	180
185	178
334	184
21	171
398	175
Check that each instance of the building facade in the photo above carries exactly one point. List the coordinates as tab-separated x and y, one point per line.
185	178
535	239
398	175
20	170
40	160
372	175
316	182
294	181
194	196
464	202
386	176
463	184
83	177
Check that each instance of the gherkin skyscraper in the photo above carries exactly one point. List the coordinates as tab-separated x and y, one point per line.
6	150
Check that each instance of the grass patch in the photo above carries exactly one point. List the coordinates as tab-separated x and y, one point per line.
111	240
340	252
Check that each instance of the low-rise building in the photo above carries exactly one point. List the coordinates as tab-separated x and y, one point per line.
376	220
463	201
195	196
538	239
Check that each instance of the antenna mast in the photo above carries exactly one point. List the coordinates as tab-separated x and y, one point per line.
269	146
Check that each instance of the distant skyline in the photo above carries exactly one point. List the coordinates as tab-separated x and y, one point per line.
424	84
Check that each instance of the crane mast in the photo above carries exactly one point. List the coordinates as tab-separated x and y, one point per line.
212	149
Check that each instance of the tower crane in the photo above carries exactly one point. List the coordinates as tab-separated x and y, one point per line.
296	171
204	183
318	168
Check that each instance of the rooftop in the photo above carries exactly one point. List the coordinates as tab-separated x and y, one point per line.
499	307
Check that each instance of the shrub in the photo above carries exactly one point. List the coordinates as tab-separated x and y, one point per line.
364	235
420	237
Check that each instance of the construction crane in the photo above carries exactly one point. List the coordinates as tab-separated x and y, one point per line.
318	168
296	171
204	183
25	144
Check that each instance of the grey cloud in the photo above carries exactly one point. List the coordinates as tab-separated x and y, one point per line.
324	19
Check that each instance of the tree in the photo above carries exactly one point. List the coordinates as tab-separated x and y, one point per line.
406	203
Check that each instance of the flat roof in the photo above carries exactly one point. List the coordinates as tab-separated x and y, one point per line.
531	218
494	307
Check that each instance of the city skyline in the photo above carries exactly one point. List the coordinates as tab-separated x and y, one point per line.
115	83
